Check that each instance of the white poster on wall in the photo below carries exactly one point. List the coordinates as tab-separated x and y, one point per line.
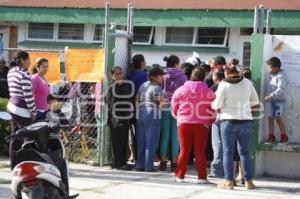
287	49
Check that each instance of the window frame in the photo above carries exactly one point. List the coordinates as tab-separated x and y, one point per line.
70	40
39	39
177	44
194	44
55	35
93	36
150	38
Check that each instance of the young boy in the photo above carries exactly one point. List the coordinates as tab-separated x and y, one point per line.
54	114
276	99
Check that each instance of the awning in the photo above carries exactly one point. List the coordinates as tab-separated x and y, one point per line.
160	18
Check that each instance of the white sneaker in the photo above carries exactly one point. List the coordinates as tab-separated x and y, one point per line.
202	181
179	180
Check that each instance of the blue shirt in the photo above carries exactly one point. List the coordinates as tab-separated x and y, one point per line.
138	77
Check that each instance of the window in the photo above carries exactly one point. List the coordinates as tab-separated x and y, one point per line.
98	33
142	35
211	36
246	53
286	31
179	35
70	31
246	31
41	31
121	27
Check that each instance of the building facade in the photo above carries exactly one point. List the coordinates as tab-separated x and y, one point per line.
223	28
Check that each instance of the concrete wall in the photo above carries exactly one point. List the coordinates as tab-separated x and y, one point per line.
278	164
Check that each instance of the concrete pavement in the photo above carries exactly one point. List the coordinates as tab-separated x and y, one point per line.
94	182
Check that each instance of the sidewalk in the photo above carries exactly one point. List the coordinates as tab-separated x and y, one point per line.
94	182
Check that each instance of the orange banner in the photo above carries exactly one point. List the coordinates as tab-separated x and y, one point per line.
53	74
84	65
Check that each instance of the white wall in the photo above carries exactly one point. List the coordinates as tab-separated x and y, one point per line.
278	164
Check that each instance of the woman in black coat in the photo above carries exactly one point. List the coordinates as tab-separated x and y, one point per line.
119	100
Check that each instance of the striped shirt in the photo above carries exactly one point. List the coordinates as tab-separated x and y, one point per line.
21	100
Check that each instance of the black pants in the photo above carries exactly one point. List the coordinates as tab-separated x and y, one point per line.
119	140
209	150
16	144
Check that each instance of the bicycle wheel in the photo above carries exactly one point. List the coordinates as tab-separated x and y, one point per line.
84	152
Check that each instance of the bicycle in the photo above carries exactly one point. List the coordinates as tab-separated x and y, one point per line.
80	148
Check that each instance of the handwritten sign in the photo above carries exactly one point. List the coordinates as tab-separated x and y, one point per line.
84	65
53	74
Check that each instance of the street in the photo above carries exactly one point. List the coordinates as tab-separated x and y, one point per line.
94	182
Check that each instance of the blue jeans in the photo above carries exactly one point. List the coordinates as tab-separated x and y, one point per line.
148	132
217	169
230	131
276	108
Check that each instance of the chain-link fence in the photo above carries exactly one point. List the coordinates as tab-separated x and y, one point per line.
85	134
80	104
75	107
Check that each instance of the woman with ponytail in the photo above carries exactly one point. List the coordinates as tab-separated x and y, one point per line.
21	103
40	87
172	80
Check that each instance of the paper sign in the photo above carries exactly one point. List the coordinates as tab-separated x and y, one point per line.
84	65
53	74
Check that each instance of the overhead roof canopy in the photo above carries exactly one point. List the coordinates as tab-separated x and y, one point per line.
167	18
159	4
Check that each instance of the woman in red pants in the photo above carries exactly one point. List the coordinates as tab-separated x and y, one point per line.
191	106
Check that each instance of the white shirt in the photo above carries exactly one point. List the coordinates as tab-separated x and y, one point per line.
234	100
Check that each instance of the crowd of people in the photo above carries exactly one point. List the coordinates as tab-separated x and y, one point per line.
172	114
180	110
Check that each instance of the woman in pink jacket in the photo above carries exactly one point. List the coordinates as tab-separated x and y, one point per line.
40	87
191	106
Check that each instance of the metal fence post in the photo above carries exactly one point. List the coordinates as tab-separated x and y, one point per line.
110	35
102	150
269	21
130	31
261	19
255	26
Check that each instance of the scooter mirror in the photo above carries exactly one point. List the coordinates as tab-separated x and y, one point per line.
5	116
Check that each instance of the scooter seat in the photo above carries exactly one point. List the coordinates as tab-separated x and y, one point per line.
32	155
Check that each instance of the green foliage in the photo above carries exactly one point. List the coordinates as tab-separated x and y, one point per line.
4	128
